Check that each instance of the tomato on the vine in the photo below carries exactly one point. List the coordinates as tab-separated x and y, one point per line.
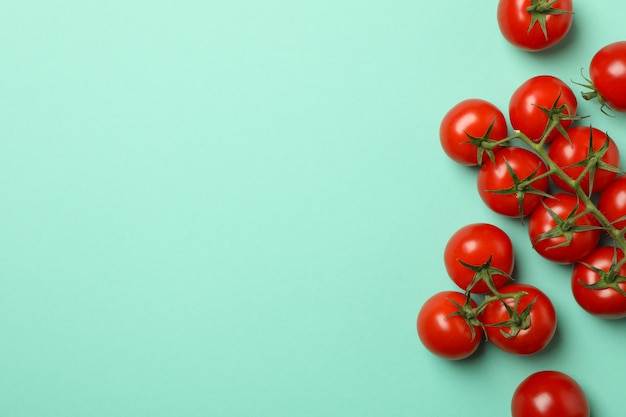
478	256
514	183
599	283
585	148
560	231
608	76
523	325
534	25
538	100
470	126
549	394
446	328
612	202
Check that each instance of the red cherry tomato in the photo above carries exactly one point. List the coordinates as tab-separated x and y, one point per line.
608	76
443	331
549	394
469	119
527	101
600	267
514	195
521	22
485	247
568	239
536	321
612	202
573	154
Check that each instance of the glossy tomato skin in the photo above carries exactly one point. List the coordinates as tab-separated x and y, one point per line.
475	244
612	202
474	117
495	176
447	337
549	394
608	74
540	91
514	22
541	221
542	321
606	303
567	152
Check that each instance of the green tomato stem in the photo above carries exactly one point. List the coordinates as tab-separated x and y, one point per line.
495	297
574	184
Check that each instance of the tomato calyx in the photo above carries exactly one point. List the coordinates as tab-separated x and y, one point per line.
556	114
593	161
607	279
593	93
521	187
467	313
564	227
484	144
484	273
538	11
517	321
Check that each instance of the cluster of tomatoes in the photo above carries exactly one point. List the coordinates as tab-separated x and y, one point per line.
517	318
562	178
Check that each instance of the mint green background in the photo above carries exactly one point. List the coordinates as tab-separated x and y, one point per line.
237	208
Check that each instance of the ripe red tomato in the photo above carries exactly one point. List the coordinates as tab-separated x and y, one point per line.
527	101
514	195
612	202
533	25
608	76
471	118
549	394
533	328
485	247
563	238
442	328
572	156
600	266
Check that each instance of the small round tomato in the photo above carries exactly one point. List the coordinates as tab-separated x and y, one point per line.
478	256
444	327
598	285
529	328
612	202
534	25
586	146
514	183
549	394
559	233
608	76
536	101
467	126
